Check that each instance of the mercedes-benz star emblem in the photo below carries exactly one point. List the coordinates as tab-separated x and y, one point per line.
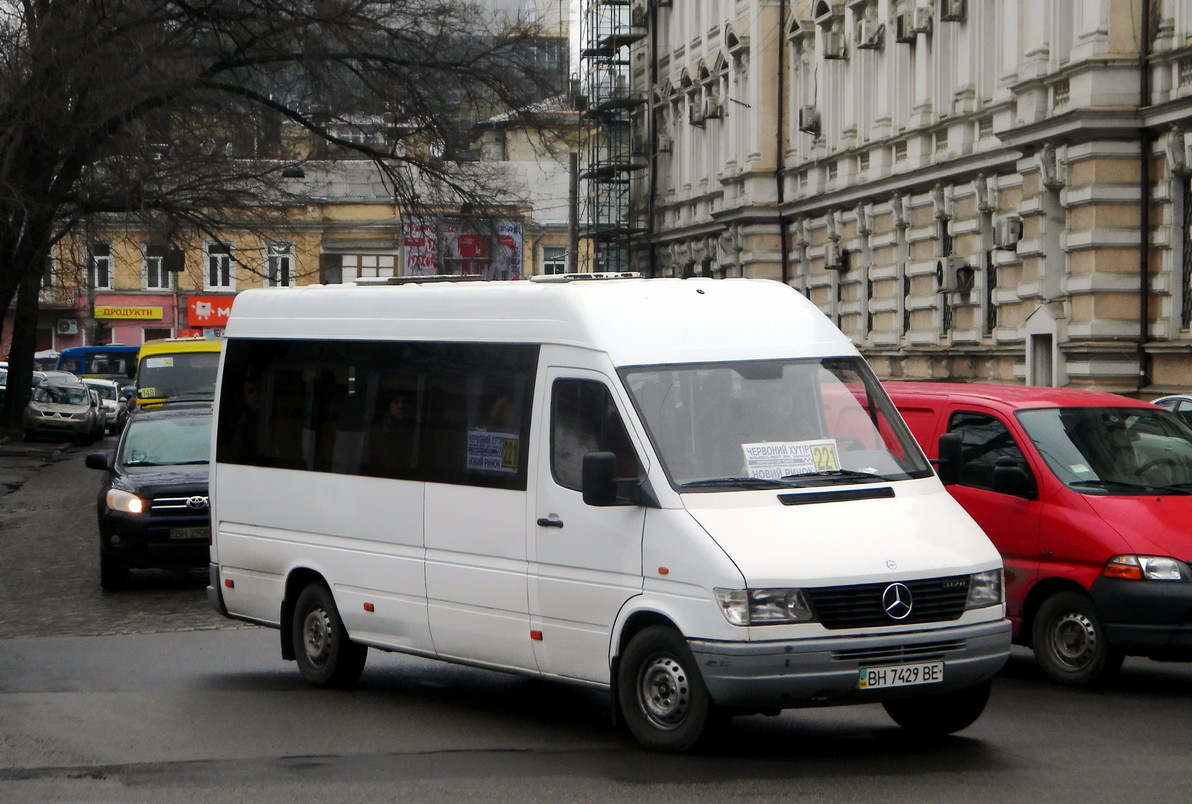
196	503
896	600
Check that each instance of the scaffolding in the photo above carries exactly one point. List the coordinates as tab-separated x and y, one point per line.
610	27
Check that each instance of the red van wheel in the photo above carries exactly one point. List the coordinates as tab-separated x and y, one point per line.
1069	641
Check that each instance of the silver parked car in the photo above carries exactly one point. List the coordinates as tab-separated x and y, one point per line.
114	403
71	411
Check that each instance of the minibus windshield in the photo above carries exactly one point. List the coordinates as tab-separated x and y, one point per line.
182	374
772	424
1120	451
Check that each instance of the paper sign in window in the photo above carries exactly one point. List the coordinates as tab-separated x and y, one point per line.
492	452
772	460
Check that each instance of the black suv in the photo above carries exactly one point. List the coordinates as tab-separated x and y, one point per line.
153	506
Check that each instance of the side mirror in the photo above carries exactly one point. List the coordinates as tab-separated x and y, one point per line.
1009	477
597	479
947	465
97	460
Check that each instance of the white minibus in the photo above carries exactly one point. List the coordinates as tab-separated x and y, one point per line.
692	493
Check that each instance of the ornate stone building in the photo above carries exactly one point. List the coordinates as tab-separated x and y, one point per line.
991	190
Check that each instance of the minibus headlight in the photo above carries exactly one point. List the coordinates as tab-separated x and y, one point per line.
985	589
1142	568
763	606
124	502
733	605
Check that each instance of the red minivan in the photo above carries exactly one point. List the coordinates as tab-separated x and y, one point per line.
1088	496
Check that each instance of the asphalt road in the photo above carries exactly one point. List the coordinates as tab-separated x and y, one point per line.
148	695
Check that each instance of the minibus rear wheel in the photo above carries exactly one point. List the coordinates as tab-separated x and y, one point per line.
661	693
326	656
1069	641
938	715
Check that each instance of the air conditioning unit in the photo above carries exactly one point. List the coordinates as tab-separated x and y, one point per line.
1007	233
904	29
809	121
68	326
695	115
952	10
921	23
665	144
833	45
952	275
870	35
712	110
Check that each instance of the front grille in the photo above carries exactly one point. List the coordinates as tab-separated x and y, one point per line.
900	653
860	606
176	506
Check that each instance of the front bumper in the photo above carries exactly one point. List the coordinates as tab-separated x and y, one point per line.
142	542
1146	618
71	427
763	676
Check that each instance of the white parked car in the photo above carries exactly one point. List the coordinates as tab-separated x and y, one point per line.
112	401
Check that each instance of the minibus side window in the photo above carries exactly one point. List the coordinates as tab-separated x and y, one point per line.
984	439
585	419
438	412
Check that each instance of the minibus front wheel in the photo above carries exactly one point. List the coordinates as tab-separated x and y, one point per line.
326	656
662	696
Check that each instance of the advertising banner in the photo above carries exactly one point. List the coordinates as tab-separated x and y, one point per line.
208	311
460	247
420	251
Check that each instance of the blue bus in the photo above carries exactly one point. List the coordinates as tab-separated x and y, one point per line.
115	360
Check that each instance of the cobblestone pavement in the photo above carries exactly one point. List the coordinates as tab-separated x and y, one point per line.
49	557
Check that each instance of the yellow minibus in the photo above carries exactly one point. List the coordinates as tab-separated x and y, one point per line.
177	368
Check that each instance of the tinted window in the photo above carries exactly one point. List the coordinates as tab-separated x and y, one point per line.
984	439
585	419
446	413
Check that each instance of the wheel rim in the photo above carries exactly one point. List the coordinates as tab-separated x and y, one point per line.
1074	640
316	636
664	693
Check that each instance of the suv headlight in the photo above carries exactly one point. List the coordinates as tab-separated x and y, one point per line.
123	501
985	589
1143	568
763	606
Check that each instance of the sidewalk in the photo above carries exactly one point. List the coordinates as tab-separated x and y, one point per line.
19	460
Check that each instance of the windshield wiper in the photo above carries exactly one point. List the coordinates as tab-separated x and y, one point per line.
737	482
829	476
1183	488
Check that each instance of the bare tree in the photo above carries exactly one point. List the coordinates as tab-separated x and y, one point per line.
170	113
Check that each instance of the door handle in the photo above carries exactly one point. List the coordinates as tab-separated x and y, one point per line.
547	522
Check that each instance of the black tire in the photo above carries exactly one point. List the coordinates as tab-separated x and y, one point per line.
661	693
326	656
113	576
938	715
1069	641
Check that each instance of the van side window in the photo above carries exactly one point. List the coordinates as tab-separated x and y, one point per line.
585	419
437	412
984	439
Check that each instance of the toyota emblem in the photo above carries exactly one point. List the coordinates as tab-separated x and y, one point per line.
896	600
196	503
